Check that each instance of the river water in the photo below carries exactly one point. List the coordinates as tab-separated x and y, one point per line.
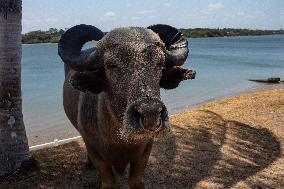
223	67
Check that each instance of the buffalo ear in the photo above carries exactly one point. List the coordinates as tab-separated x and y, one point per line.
93	81
171	77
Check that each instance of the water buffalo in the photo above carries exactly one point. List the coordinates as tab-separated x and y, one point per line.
111	92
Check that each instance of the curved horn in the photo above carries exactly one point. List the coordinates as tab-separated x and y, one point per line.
176	44
71	43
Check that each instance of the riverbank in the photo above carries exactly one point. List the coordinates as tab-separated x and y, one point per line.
234	142
53	35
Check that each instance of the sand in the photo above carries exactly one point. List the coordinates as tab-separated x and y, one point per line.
236	142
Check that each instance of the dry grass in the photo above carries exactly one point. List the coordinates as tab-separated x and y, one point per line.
232	143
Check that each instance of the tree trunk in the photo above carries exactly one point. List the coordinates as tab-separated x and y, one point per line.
14	148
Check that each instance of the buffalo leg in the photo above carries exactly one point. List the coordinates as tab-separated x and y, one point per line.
137	168
105	171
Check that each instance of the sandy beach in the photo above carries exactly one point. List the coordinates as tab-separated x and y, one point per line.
235	142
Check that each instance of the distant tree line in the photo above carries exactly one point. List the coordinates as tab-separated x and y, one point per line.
53	35
206	32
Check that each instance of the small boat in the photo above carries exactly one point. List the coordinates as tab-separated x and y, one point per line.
268	80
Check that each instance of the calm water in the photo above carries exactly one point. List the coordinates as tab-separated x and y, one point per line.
223	66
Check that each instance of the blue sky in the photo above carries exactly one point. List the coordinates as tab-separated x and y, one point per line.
109	14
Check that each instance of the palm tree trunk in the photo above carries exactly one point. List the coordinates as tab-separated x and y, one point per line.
13	140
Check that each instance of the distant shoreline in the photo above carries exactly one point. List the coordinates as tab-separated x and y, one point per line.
236	36
188	37
53	35
227	32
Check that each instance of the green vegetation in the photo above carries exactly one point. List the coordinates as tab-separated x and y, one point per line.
53	35
206	32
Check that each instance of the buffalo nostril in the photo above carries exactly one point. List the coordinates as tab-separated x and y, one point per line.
141	119
163	114
138	117
160	121
149	116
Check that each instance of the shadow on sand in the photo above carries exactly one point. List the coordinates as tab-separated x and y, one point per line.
210	153
205	151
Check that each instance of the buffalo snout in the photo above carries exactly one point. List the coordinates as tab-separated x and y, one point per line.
149	114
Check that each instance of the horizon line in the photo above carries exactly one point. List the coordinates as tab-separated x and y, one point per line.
181	28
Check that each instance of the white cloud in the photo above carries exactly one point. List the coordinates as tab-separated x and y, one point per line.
109	14
167	4
213	8
240	13
44	20
145	17
51	20
152	17
135	18
31	20
108	17
146	12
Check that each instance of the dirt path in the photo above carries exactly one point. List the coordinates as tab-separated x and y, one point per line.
236	142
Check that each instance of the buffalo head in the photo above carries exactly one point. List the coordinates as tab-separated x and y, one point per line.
128	67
